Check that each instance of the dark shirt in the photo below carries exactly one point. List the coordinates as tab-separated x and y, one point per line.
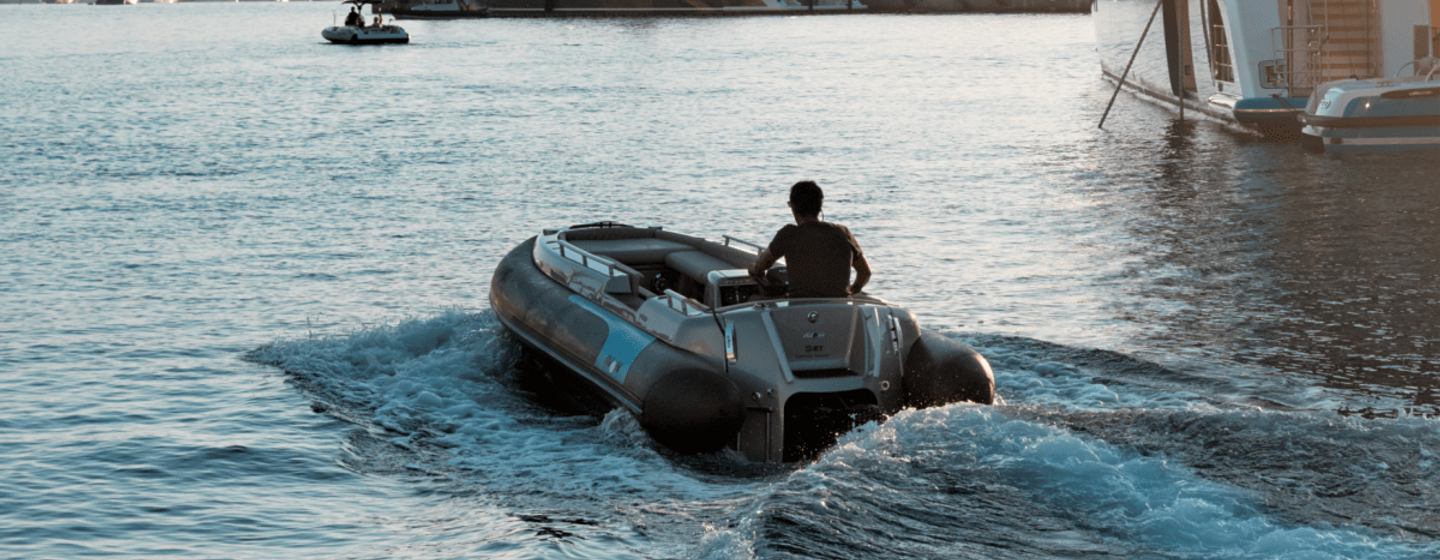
817	257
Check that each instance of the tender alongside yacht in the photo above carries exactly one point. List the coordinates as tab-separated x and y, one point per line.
674	330
1256	63
1369	115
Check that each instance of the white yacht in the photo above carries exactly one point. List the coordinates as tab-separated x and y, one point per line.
1255	63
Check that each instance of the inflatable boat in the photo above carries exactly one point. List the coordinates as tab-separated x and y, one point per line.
673	329
357	35
377	34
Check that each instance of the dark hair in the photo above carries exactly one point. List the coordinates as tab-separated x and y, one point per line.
806	198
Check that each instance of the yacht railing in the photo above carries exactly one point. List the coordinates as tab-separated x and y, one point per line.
1300	55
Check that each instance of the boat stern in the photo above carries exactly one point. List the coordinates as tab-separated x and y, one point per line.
809	370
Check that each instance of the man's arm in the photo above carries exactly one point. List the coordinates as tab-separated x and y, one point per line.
862	273
763	262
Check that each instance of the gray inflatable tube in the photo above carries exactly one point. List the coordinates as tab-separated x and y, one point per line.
682	401
941	371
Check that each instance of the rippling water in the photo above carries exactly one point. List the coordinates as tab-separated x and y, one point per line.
243	278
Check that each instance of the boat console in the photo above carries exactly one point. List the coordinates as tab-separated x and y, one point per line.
730	287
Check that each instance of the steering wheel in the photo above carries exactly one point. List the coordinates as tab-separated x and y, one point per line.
771	283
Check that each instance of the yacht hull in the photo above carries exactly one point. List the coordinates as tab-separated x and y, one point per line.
1179	65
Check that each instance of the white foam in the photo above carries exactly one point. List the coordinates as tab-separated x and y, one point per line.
442	381
1147	500
1065	385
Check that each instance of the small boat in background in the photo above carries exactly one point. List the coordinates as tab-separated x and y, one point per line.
355	32
113	2
1355	115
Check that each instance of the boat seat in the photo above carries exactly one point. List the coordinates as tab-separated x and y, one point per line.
696	265
637	251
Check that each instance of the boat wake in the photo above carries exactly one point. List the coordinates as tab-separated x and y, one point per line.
1095	454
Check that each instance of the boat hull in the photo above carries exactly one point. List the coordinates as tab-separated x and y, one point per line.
679	398
439	14
351	35
435	9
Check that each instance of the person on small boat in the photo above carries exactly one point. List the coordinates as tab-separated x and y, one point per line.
819	254
354	19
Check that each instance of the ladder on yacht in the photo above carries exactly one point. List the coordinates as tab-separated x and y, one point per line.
1327	40
1350	37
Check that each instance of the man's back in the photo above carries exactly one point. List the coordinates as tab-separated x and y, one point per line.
819	256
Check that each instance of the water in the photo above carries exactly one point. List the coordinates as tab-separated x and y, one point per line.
244	276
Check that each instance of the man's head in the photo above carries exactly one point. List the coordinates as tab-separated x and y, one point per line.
805	199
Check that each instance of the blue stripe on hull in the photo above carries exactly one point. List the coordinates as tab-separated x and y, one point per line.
623	341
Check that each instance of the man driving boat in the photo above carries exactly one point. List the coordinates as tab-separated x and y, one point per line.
819	254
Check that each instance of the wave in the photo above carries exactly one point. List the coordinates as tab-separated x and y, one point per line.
967	481
1097	454
446	393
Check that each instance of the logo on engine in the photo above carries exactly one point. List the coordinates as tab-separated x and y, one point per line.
812	317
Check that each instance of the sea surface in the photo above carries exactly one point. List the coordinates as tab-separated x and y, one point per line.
244	277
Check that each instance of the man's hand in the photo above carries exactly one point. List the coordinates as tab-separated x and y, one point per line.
862	273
